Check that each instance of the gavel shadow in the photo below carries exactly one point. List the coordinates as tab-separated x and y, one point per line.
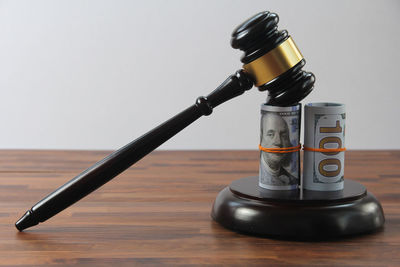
45	241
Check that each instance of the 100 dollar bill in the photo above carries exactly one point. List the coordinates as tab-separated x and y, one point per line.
324	129
280	128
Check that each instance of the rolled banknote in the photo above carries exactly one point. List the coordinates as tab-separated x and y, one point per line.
324	129
279	147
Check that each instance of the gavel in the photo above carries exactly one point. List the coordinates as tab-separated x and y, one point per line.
272	62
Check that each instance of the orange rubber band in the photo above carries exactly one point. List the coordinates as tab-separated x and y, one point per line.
280	149
325	150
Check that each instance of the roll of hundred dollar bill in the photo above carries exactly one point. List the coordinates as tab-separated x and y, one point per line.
279	147
324	131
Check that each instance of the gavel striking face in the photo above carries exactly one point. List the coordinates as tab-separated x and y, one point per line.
272	59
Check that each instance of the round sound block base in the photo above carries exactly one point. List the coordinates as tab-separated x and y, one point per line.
297	214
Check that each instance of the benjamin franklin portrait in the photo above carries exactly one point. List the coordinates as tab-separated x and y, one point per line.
275	134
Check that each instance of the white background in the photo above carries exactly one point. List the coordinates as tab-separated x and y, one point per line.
98	74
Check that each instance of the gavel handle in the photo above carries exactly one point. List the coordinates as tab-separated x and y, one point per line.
115	163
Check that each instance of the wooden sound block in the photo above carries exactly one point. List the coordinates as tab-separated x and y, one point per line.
297	214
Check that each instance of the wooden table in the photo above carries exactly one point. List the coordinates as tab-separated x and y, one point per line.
158	212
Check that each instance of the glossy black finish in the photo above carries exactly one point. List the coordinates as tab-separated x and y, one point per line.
290	87
26	221
308	219
257	36
106	169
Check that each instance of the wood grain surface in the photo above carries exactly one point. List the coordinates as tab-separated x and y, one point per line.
158	212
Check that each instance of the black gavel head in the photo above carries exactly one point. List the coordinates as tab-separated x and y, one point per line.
272	59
